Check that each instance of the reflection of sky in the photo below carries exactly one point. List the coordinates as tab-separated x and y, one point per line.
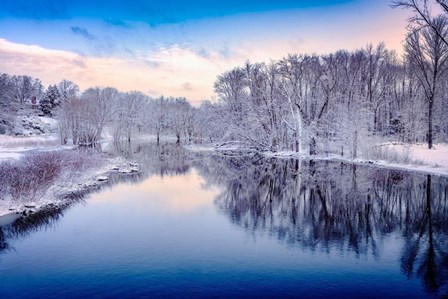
152	239
178	47
184	194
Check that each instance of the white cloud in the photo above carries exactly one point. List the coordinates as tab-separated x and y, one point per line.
165	71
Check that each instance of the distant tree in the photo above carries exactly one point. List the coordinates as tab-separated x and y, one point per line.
6	89
24	87
158	116
68	89
51	100
129	116
178	116
98	105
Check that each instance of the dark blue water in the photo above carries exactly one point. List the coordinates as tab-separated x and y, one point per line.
200	225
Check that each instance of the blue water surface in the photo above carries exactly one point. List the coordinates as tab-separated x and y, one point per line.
212	226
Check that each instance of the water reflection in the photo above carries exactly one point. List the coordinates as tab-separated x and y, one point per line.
329	206
161	159
312	206
24	226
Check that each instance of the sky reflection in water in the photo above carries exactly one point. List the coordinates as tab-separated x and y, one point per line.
203	225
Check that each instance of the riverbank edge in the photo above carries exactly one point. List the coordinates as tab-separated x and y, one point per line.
57	199
422	169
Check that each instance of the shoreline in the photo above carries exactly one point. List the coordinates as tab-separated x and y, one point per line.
422	169
63	194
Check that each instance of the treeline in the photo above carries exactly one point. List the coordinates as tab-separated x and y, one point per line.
340	101
84	116
344	102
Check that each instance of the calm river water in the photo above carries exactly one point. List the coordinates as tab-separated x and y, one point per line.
204	225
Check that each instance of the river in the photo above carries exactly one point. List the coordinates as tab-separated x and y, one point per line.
211	225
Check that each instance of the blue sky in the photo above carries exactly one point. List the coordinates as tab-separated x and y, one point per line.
178	47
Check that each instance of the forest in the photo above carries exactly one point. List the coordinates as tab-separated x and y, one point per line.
343	103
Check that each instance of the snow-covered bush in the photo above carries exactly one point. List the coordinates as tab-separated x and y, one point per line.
389	154
29	178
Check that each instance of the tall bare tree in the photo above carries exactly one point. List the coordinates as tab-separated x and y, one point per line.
423	15
428	54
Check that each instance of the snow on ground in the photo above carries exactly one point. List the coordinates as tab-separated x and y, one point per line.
437	156
200	148
56	195
4	156
14	148
51	122
22	143
419	158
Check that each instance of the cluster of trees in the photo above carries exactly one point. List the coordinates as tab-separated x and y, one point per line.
84	118
343	101
339	101
28	90
19	88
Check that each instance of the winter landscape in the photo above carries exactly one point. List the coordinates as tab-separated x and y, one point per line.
202	150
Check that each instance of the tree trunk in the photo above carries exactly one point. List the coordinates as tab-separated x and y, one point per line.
431	106
313	146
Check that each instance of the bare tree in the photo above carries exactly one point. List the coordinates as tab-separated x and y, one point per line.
128	118
428	53
25	87
68	89
423	16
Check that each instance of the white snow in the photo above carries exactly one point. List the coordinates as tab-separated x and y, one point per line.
421	159
49	121
21	143
15	147
437	156
9	155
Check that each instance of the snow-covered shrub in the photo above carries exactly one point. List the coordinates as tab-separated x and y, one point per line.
386	153
29	178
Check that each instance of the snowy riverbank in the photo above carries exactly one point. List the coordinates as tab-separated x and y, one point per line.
37	173
416	157
68	187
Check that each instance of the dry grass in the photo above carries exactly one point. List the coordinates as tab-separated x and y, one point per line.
8	142
392	155
29	178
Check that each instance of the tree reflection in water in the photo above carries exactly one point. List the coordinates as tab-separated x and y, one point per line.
334	206
318	206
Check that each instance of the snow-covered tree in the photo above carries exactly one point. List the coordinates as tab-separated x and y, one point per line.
428	54
51	100
25	87
68	90
129	116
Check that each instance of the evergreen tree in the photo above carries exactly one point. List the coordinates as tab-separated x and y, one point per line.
51	100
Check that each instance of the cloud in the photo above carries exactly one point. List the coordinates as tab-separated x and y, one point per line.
172	71
81	31
117	23
102	45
